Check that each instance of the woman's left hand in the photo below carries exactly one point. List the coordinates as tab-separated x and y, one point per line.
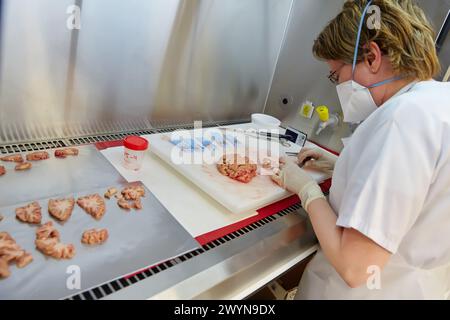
290	176
294	179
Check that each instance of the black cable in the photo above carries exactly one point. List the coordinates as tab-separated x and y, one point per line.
443	33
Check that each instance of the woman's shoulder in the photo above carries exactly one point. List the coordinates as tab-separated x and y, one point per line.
430	85
431	92
415	112
426	100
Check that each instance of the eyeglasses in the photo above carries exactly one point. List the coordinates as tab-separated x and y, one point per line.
334	75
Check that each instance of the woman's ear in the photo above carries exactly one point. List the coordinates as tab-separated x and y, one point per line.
373	58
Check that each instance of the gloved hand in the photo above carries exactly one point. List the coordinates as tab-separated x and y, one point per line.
296	180
316	159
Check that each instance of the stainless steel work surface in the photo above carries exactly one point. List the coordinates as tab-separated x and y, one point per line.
234	269
56	176
137	239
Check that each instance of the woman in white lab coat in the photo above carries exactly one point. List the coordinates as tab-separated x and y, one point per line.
384	232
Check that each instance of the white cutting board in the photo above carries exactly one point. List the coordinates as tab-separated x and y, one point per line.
236	196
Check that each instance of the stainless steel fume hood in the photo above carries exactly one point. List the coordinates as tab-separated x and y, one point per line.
135	67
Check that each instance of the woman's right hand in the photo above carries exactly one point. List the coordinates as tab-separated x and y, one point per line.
316	159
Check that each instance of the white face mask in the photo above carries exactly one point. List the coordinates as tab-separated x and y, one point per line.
356	100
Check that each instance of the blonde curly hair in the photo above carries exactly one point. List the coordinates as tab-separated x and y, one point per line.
404	35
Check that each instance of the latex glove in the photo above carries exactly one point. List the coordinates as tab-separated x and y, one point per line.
294	179
318	160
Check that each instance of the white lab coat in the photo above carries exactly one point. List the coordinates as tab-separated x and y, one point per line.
392	183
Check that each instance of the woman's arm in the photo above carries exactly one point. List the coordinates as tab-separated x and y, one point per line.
349	251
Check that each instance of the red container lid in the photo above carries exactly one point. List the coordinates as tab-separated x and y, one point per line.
135	143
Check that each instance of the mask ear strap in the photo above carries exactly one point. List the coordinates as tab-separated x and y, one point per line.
358	37
385	81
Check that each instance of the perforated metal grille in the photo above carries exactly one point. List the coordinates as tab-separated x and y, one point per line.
106	137
121	132
32	146
13	132
114	286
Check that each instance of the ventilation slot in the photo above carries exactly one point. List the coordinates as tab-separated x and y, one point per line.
107	137
34	146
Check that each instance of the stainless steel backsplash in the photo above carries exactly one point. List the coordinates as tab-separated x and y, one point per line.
134	63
